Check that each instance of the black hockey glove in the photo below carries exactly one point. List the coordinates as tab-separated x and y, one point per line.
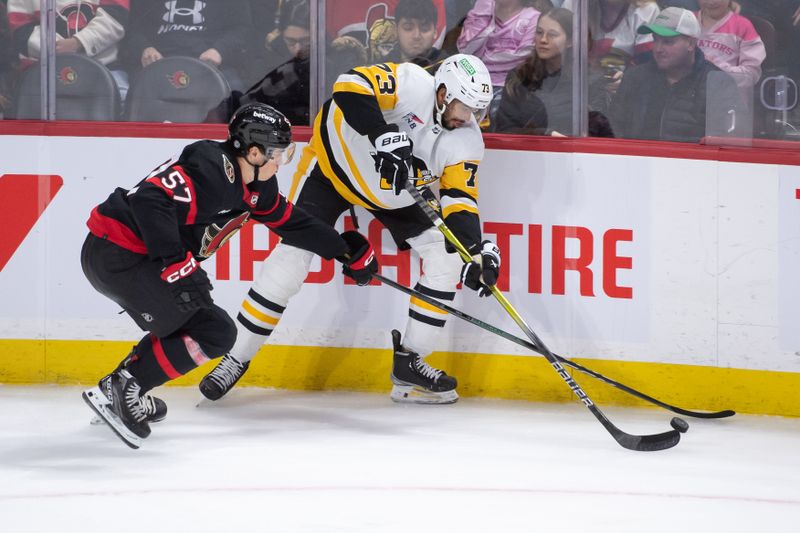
360	262
188	282
393	158
482	272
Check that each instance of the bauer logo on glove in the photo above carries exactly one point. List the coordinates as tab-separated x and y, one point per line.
393	157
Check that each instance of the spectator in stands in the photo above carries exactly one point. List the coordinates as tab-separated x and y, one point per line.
729	40
265	22
287	87
613	25
344	53
92	27
665	99
291	39
691	5
616	44
416	32
359	18
537	97
500	32
214	31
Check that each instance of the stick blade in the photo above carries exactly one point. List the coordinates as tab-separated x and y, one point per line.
696	414
648	443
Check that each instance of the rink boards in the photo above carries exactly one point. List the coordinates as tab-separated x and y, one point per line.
674	272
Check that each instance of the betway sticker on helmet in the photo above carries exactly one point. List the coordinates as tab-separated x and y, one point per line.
470	70
263	116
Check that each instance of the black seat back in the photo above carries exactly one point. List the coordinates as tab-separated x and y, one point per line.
175	89
85	90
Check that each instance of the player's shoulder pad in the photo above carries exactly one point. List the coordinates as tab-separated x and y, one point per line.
461	144
206	159
414	88
413	71
413	76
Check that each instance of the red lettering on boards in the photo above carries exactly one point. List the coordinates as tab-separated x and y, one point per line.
563	265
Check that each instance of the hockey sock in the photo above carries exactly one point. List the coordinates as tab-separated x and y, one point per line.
281	277
158	360
425	322
256	320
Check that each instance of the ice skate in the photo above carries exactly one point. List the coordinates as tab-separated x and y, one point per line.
219	381
155	408
117	400
415	381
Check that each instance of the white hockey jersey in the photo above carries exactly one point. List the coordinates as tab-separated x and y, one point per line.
405	96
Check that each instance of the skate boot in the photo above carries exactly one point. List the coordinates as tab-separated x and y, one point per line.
155	408
219	381
117	399
415	381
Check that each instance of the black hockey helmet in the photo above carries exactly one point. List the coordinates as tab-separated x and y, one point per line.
261	125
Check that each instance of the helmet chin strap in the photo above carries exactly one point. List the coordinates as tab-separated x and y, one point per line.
438	112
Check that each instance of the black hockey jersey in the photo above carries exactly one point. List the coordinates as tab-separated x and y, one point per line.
197	203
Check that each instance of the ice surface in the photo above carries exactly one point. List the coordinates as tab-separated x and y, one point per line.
278	461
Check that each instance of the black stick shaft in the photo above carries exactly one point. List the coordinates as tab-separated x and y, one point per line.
656	442
527	344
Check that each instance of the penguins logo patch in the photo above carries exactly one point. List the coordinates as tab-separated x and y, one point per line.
228	168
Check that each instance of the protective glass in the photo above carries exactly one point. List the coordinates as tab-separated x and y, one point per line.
282	156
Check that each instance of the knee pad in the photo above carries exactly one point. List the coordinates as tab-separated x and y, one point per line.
283	273
213	330
441	270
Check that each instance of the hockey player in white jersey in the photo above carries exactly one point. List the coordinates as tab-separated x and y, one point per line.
386	124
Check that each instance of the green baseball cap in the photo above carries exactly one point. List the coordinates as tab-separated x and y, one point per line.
671	22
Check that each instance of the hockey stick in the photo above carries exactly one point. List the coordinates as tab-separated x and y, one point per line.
527	344
642	443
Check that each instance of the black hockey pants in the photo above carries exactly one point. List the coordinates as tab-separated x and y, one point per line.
178	342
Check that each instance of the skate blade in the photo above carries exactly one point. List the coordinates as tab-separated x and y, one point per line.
97	421
99	404
205	402
412	394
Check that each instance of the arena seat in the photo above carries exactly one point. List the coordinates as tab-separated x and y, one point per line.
85	90
175	89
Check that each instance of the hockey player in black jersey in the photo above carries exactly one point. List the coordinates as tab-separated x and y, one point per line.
145	246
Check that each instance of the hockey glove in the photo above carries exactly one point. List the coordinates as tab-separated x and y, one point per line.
482	272
393	158
360	262
188	282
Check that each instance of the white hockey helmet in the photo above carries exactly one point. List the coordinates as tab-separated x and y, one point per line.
466	79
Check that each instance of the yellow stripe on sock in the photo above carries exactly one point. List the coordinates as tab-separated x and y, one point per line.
258	314
425	305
